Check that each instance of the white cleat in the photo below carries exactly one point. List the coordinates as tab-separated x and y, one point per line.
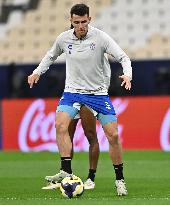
57	178
89	184
121	187
51	186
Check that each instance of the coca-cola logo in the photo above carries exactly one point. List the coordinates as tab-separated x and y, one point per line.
165	132
37	129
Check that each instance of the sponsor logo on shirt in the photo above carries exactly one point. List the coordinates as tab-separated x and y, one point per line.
70	47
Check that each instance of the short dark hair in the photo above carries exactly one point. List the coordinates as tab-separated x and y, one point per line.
80	10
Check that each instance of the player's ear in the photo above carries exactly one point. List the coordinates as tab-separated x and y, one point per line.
89	19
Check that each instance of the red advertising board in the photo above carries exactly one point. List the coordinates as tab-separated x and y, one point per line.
144	123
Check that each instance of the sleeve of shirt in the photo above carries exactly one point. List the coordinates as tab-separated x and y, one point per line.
50	57
113	49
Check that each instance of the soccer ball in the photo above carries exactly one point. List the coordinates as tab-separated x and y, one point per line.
71	186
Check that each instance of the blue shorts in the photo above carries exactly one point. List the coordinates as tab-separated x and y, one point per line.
101	104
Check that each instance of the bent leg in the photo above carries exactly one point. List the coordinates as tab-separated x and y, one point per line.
89	126
62	135
115	149
71	130
64	143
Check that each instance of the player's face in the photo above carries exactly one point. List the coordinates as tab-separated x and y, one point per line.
80	24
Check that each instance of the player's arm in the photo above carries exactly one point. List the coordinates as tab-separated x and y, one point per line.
112	48
45	63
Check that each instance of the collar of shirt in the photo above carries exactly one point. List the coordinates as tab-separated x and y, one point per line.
74	37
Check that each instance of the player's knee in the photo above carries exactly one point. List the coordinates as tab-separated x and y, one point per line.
61	127
113	137
91	137
93	141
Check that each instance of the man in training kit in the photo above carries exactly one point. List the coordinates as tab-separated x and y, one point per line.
86	84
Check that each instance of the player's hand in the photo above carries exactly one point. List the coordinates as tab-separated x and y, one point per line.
126	82
33	78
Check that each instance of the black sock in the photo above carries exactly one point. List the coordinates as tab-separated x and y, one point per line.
92	173
66	164
119	171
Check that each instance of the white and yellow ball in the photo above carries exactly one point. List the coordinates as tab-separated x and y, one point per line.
72	187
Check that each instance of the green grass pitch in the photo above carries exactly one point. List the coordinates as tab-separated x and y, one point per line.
147	176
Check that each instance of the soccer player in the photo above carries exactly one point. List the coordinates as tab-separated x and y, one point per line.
86	84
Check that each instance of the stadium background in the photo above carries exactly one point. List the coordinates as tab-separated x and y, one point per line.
27	30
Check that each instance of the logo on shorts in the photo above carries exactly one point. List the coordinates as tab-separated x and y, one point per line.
107	106
92	46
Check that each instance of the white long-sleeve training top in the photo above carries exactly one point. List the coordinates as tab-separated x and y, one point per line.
87	66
